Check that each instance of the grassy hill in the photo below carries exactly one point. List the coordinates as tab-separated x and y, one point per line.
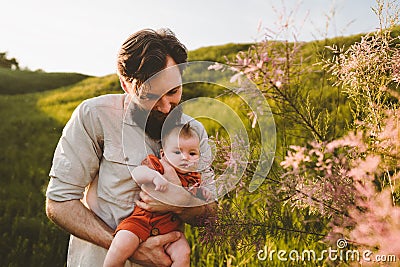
34	108
21	82
217	53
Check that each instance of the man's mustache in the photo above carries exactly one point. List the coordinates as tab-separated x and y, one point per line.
152	121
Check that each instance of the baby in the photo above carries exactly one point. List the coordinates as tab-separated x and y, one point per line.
178	164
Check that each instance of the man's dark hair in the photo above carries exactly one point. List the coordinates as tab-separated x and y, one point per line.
144	54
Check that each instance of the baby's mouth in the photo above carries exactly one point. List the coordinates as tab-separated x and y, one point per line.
186	165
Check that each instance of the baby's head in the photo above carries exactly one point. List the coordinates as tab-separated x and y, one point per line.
181	147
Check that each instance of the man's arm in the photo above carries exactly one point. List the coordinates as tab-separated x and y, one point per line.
178	200
75	218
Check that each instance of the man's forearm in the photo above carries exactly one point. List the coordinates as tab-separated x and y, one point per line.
78	220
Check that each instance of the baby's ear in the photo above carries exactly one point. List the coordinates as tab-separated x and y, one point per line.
162	152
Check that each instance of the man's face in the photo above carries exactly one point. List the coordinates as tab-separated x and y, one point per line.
158	97
163	91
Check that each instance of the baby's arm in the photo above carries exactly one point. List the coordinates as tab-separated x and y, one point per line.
145	175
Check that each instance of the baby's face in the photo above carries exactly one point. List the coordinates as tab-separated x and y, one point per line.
183	153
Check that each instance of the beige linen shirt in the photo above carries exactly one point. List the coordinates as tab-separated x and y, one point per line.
99	146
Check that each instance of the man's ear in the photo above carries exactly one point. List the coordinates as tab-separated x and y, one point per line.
162	152
123	84
128	87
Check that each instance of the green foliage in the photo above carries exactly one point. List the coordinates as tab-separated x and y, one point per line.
313	106
9	63
302	101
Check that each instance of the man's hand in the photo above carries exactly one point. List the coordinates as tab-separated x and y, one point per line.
152	253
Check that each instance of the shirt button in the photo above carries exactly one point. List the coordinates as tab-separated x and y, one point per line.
155	231
126	158
173	218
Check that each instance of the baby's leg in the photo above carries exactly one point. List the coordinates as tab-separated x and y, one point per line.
122	247
179	252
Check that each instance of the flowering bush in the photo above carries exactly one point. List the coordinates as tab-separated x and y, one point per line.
346	181
353	180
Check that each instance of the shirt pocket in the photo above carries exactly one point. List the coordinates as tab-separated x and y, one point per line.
116	184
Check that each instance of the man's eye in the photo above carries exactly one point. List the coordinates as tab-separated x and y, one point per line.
149	97
152	97
172	92
193	154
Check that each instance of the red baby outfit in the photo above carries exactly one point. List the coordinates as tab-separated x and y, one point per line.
144	223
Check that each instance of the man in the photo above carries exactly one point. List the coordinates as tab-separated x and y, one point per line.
91	189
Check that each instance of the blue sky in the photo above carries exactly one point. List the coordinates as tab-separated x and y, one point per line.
84	36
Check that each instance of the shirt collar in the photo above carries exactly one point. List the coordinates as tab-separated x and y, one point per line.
128	109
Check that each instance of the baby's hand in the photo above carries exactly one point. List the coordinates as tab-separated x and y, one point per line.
160	182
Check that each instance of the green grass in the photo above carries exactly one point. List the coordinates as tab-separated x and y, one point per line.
27	138
60	103
32	125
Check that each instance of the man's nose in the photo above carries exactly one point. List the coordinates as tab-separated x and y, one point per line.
163	105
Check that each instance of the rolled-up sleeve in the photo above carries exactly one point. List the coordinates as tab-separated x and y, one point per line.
77	155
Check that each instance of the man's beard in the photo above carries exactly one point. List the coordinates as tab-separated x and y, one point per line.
153	121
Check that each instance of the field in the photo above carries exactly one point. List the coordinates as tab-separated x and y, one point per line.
35	106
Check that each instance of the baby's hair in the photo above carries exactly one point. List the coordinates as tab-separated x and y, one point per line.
185	131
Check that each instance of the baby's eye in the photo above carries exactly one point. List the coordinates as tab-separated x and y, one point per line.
177	152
